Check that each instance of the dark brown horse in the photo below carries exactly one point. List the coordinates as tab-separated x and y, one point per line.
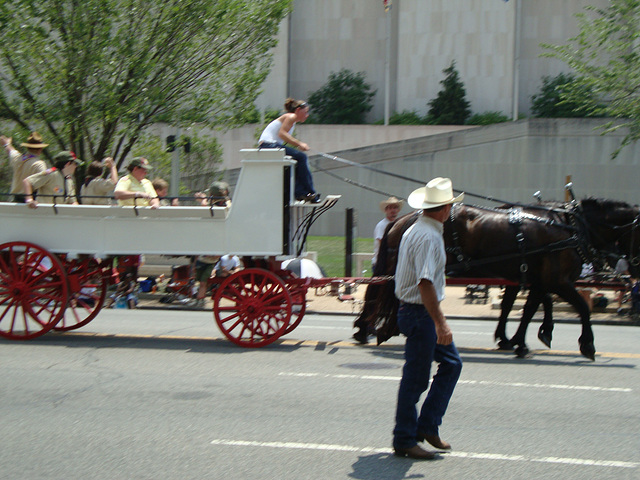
541	247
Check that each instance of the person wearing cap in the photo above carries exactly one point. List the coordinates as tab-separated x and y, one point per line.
279	132
216	195
24	165
97	190
134	189
391	208
56	184
420	285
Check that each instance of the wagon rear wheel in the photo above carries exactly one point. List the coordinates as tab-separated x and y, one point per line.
33	290
88	281
252	307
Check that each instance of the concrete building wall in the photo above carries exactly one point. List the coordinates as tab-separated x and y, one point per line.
425	36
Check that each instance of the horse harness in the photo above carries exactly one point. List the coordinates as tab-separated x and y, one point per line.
579	240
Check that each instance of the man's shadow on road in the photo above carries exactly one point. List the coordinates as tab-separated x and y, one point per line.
385	465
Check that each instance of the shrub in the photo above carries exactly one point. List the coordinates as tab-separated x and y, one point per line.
487	118
344	99
450	107
406	117
549	101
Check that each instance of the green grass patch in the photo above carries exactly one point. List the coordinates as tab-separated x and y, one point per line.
331	253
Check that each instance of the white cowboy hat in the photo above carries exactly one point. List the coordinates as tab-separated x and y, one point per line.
390	201
436	193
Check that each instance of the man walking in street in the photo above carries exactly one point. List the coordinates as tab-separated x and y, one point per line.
420	285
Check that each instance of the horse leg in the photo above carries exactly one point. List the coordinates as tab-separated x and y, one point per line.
363	322
571	295
508	299
530	307
546	329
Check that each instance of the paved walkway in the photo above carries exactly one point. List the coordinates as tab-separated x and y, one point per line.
455	305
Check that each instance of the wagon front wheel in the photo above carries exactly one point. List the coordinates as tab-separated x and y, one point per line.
33	290
252	307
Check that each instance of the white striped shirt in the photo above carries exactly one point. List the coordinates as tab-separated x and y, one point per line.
421	255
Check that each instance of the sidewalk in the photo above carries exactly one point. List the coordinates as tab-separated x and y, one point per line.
455	306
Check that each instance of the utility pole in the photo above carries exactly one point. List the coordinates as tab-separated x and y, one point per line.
174	185
387	60
516	58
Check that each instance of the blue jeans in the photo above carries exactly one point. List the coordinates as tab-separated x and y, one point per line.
304	181
420	351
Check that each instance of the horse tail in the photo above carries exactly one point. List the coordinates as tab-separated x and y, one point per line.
380	307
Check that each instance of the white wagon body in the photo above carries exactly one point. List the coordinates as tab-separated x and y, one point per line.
261	221
57	257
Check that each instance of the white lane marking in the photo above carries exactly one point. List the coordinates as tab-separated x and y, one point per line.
471	455
466	382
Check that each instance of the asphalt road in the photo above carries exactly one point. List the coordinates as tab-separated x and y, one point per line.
161	395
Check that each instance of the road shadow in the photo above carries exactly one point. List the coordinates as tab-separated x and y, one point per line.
386	465
505	357
393	353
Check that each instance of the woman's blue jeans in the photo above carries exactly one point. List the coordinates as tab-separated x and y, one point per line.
421	350
304	180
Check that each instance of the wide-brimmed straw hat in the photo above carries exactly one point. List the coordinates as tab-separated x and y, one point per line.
34	141
436	193
391	201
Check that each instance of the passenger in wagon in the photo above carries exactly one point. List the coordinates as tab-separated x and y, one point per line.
96	189
134	189
24	165
217	195
280	132
55	185
161	186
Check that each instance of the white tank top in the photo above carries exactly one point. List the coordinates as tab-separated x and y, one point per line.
270	134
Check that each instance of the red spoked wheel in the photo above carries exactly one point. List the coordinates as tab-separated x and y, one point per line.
88	282
252	307
33	290
299	307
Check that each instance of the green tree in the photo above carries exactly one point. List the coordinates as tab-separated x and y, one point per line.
551	103
344	99
93	74
605	56
450	107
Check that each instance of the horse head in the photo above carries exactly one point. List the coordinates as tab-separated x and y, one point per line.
614	226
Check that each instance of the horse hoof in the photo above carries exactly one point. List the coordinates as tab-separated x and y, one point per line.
522	352
505	345
544	338
361	337
589	351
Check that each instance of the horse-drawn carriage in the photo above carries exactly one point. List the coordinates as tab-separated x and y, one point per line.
55	261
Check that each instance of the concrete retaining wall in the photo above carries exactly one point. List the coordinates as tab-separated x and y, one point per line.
507	161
